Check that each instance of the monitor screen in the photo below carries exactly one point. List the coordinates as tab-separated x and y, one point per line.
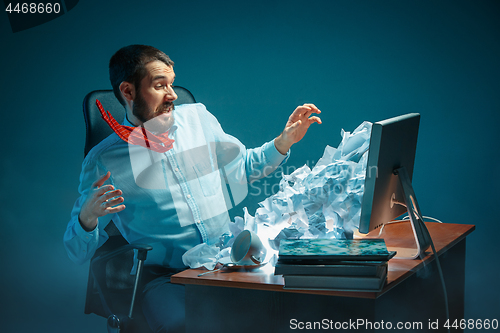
393	144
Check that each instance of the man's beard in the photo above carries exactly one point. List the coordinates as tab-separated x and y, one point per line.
160	123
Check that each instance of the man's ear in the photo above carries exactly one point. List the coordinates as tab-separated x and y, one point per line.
128	91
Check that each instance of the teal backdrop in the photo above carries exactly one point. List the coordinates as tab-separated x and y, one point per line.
251	63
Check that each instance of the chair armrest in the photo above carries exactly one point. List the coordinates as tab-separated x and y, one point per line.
141	255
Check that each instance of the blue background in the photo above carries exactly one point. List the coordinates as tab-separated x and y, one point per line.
251	63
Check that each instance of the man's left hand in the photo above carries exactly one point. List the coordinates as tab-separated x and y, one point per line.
296	127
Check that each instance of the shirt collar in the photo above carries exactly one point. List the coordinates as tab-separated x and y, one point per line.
126	122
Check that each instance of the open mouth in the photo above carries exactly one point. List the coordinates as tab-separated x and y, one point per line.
166	109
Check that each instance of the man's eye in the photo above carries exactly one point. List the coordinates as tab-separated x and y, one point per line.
163	86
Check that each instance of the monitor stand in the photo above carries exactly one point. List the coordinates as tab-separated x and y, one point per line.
422	236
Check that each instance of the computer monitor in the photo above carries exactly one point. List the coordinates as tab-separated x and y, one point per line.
388	191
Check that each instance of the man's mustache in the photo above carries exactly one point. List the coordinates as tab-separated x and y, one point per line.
165	106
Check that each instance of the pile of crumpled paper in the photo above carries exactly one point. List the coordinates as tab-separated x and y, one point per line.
324	202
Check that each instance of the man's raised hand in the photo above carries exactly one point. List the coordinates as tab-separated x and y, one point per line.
101	200
297	126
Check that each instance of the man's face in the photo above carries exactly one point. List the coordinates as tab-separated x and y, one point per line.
153	104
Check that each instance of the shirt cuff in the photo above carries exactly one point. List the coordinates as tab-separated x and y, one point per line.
86	236
273	155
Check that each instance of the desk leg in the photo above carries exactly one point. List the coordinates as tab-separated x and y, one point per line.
420	299
242	310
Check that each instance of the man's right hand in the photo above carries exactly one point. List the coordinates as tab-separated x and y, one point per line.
98	203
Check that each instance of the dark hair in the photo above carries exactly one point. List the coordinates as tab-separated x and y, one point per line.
128	64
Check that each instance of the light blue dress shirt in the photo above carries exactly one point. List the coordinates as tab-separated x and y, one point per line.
174	200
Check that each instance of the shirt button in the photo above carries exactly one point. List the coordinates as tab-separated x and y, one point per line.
188	196
176	169
198	221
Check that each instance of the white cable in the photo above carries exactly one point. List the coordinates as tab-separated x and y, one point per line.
407	218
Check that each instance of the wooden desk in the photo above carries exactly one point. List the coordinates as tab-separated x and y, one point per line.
256	301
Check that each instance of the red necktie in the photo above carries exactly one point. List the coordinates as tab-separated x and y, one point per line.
131	135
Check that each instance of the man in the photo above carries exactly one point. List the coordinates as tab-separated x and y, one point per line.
172	198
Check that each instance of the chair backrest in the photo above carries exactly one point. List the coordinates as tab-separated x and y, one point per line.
117	272
97	129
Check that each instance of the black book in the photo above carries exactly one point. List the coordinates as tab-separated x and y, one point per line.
344	268
336	282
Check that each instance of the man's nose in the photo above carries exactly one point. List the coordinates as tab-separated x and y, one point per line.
170	94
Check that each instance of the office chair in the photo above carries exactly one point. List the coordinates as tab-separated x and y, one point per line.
111	290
